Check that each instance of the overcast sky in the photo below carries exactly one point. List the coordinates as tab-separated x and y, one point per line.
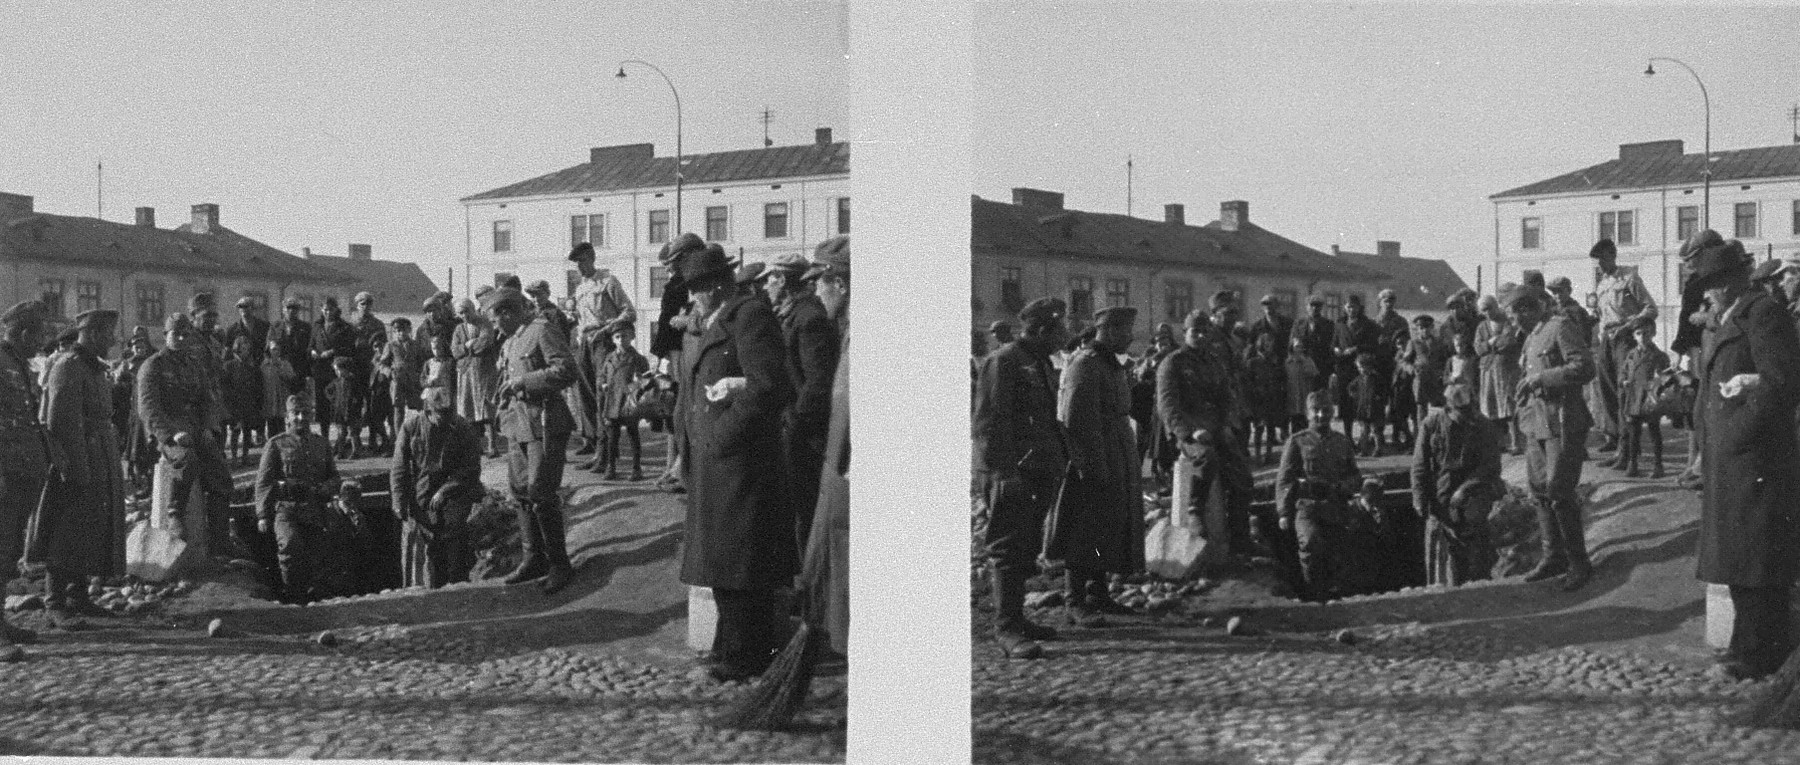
324	124
1347	123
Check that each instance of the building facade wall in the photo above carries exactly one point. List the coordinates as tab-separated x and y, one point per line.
1571	223
118	290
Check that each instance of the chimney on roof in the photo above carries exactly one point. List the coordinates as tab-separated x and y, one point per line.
1037	198
1175	214
1650	150
822	136
360	252
306	252
206	218
1335	251
1387	249
629	152
146	217
14	206
1234	215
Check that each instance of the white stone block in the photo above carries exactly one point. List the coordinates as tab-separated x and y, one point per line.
1719	613
703	618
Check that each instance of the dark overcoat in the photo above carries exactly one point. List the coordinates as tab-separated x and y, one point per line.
79	532
1748	458
825	578
740	531
1099	523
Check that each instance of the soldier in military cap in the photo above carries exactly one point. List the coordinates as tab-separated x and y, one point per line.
539	293
78	534
1098	527
1554	420
1455	481
182	416
1198	401
1318	476
1021	454
810	340
297	479
24	450
535	367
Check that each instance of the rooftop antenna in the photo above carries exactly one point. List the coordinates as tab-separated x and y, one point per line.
1128	167
1794	117
99	190
767	117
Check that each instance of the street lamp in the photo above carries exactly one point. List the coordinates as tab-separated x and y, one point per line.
1706	197
671	84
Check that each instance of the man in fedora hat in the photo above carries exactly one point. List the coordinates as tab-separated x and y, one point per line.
1098	527
1553	418
1749	384
810	340
599	300
24	451
535	367
180	415
78	535
1021	454
1624	305
740	525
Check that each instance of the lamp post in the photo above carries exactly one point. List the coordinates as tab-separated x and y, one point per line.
1706	176
672	91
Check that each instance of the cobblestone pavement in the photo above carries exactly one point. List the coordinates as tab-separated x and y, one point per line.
1498	672
599	672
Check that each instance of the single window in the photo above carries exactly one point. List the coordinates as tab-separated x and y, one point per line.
150	303
1627	233
775	220
50	291
1609	222
1531	233
1012	290
1745	215
1687	222
718	224
87	296
659	226
503	236
587	228
659	279
1118	293
1178	300
1334	305
1797	217
306	307
1081	297
843	215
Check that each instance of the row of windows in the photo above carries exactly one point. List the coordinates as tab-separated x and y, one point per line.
591	229
1178	296
1621	226
152	300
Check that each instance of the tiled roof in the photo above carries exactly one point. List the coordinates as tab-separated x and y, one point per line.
1419	284
92	241
1008	228
397	287
624	170
1669	170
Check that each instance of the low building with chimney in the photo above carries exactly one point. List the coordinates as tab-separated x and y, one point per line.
399	289
1035	247
757	203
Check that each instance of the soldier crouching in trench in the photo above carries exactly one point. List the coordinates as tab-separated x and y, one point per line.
294	485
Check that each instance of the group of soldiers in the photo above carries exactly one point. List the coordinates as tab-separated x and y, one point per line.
1060	456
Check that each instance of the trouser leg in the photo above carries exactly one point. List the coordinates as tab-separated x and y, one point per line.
1565	457
637	446
1761	633
1312	548
1654	425
746	636
1538	475
291	554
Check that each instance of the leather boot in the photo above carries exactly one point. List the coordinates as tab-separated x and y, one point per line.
556	551
1075	600
532	563
1574	538
1017	636
1554	561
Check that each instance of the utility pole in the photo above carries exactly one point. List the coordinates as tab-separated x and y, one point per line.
1128	167
99	190
767	117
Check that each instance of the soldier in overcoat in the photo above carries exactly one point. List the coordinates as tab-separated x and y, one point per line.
1020	456
1197	400
77	535
24	450
740	525
1553	418
536	365
1749	385
1098	526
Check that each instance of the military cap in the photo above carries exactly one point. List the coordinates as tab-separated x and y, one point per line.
401	322
750	272
98	318
1531	278
437	298
27	312
708	264
1315	299
293	302
1386	294
1319	399
1561	284
832	256
1042	311
1424	320
201	301
539	287
300	401
363	297
1767	270
1221	299
680	246
1458	395
1603	248
246	302
505	298
582	250
1718	265
1118	315
790	262
178	322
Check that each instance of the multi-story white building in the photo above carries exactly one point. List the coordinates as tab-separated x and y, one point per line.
1648	201
756	202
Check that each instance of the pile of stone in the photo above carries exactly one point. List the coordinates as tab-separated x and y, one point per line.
123	596
494	532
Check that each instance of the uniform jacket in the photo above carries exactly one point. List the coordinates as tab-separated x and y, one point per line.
303	462
1100	522
19	398
1316	466
173	396
537	357
740	527
1556	353
1193	392
1015	414
1748	505
433	457
79	532
811	340
1448	454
